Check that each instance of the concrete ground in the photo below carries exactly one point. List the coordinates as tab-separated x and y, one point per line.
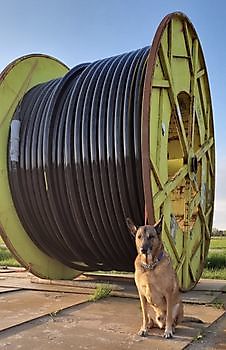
214	337
37	314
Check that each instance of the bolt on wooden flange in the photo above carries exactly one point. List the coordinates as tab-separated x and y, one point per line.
178	146
17	78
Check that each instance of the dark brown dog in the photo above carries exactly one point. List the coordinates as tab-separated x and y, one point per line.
156	281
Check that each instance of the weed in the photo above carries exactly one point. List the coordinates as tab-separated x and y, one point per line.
101	291
218	304
54	314
199	336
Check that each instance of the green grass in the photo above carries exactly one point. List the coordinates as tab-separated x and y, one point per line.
101	291
218	243
216	260
6	258
218	274
215	267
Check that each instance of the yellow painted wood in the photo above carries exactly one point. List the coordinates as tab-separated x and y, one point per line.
182	158
15	80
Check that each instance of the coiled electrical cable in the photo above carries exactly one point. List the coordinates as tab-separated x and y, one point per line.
79	171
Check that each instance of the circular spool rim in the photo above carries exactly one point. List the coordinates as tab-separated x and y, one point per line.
151	212
30	70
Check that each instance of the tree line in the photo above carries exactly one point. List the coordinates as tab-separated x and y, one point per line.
218	233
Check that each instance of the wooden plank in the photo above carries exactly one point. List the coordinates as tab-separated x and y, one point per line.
188	47
167	231
160	83
9	289
155	172
204	148
174	101
170	185
193	90
200	73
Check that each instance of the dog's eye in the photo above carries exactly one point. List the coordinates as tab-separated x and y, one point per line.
139	236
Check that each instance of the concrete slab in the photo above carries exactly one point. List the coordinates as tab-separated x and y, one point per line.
5	289
102	325
12	270
81	282
213	338
200	297
205	292
109	324
25	305
25	283
125	287
211	285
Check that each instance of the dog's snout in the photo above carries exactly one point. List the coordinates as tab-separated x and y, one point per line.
143	250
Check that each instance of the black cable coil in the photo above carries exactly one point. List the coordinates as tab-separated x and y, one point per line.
79	172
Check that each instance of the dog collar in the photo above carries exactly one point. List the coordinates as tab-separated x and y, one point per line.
154	264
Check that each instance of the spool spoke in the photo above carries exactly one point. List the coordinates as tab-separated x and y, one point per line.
188	44
193	90
194	203
156	174
170	186
174	102
206	146
205	221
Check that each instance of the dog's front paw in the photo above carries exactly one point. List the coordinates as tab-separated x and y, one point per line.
168	333
143	332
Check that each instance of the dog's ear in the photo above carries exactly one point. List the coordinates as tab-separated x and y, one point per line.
132	228
158	225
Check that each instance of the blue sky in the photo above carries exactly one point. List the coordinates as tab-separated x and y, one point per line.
85	30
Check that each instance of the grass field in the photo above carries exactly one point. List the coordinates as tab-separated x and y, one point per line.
218	243
215	264
216	260
6	258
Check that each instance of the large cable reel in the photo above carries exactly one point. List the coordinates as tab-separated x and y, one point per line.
167	143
